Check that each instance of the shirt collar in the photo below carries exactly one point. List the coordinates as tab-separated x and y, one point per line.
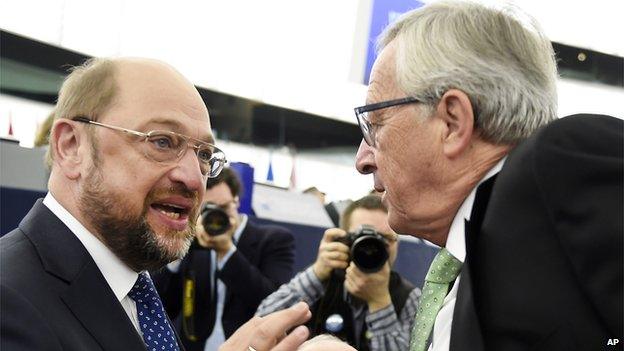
241	227
456	241
117	274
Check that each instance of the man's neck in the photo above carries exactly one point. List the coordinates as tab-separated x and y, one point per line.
67	197
472	170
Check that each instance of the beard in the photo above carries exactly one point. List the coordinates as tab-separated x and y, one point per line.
128	235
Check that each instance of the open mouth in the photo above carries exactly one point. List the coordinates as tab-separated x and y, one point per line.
171	210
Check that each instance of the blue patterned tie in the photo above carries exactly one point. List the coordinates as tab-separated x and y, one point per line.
157	332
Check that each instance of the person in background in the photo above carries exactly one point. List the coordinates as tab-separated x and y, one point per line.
316	192
42	135
220	283
331	210
372	311
460	132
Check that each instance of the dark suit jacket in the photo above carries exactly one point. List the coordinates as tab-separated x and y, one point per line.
544	264
54	297
263	261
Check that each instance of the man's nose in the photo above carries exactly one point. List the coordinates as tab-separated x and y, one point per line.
188	172
365	159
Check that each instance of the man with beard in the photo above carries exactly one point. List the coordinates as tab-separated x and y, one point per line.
529	219
220	283
130	152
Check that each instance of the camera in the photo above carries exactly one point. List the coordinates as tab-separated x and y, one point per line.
214	219
368	249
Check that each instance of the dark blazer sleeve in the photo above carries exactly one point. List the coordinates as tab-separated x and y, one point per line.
581	180
256	270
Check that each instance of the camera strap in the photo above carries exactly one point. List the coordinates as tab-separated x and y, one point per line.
190	302
333	303
188	306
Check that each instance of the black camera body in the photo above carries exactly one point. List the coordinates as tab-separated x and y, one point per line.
368	249
214	219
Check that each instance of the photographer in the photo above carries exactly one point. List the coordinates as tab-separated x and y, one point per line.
372	310
231	267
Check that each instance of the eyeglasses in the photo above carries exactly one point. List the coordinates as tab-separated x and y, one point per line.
361	113
167	147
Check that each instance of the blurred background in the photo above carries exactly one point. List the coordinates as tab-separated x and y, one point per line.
280	78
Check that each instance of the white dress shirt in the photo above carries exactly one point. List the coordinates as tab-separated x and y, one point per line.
118	275
456	245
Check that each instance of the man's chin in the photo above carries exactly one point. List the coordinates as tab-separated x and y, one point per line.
174	244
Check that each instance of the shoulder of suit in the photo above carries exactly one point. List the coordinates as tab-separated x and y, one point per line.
13	248
585	133
575	128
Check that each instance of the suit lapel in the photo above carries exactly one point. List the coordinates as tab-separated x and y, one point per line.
466	333
247	244
88	295
94	304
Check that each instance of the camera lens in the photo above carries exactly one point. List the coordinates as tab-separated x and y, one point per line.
215	220
369	253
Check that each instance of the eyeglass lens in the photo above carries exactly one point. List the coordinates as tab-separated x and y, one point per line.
162	146
365	126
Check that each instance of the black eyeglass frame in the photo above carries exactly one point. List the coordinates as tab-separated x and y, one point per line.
365	124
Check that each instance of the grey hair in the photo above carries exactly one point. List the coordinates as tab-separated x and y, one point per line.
503	62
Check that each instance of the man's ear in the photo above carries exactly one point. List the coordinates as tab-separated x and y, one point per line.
65	139
455	110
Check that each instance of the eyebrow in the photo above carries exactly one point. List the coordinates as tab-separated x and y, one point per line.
207	139
375	87
175	127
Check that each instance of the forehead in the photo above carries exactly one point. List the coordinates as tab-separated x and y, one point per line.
219	194
151	95
383	85
378	219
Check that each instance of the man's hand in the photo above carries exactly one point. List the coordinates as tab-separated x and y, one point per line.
220	243
370	287
331	254
269	332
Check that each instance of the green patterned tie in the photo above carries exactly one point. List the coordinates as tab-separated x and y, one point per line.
443	270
